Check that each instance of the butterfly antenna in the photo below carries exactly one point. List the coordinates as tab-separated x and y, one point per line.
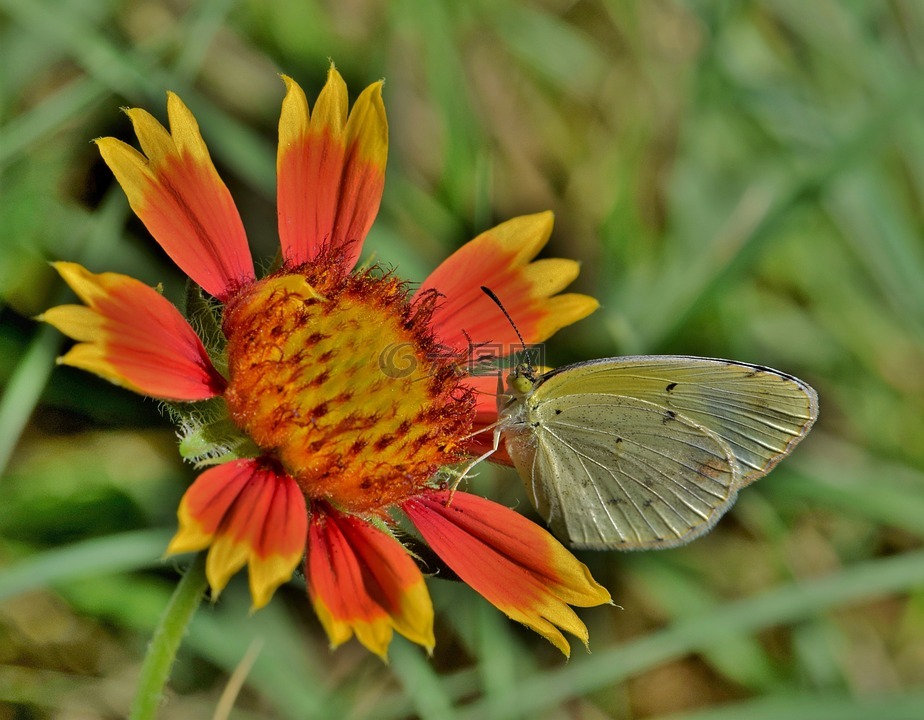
490	293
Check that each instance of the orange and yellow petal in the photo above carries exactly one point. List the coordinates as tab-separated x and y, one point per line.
502	259
246	514
174	189
330	170
131	335
362	581
516	565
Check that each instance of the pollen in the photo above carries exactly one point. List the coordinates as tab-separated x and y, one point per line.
339	377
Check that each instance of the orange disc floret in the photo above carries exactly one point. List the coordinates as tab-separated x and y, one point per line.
340	378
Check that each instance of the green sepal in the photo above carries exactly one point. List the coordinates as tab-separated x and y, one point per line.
207	434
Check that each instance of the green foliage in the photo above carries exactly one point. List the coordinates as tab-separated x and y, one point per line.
740	180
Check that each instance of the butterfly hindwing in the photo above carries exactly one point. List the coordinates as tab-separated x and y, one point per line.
610	471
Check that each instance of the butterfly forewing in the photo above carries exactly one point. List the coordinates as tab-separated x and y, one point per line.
610	471
760	413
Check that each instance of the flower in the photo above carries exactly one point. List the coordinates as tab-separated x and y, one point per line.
321	399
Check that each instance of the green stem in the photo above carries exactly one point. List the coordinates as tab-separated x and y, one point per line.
167	638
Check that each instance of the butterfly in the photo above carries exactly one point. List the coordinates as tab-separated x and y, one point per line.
644	452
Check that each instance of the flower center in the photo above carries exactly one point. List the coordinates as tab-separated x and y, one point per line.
339	377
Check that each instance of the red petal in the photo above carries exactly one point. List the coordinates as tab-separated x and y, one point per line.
247	514
177	193
516	565
130	334
500	260
331	171
363	581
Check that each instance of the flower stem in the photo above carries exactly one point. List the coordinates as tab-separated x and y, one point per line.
166	641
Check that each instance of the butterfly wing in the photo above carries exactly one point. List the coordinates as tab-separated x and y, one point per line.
760	413
609	471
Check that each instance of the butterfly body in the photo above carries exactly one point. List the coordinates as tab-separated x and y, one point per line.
648	451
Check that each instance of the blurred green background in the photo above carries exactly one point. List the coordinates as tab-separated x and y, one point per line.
740	179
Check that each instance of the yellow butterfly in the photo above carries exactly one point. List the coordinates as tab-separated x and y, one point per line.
645	452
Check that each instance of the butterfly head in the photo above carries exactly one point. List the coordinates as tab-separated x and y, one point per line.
521	380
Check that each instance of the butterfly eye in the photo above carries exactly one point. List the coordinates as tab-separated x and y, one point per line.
519	381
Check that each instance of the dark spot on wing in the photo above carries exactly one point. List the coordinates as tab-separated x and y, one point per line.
713	468
668	416
647	503
670	386
558	411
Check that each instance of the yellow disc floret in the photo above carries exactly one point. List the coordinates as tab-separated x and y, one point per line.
339	377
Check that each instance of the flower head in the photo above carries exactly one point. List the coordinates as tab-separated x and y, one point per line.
324	399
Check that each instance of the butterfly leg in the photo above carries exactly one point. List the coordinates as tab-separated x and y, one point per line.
464	473
497	436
